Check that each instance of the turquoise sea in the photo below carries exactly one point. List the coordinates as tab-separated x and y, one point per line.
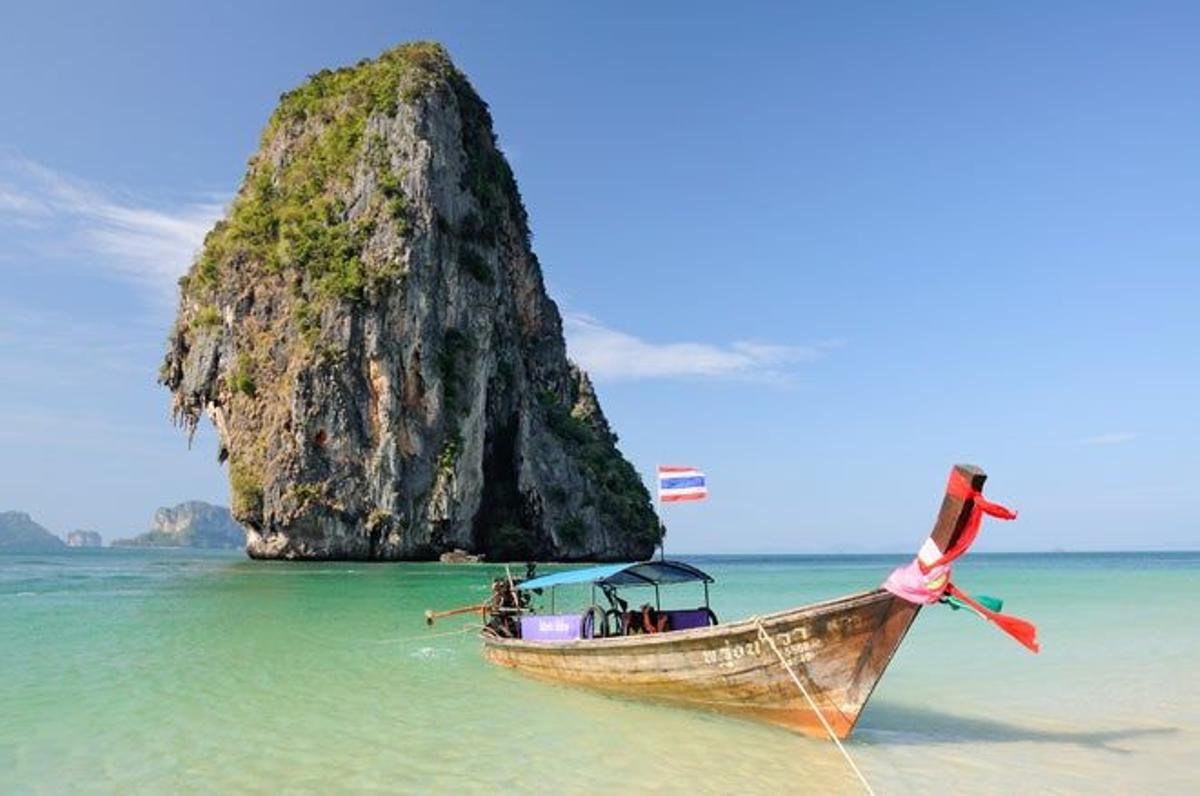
169	671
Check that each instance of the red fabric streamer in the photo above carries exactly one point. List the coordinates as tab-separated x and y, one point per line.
1023	631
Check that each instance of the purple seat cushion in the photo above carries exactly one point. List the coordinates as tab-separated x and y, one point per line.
686	620
551	627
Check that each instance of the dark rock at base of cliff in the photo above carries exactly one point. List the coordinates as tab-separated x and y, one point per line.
459	556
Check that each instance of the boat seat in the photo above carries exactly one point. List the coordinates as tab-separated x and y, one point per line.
690	619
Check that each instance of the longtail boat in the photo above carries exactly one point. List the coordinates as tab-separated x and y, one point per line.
809	669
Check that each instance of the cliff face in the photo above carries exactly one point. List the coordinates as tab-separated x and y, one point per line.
84	539
369	332
20	534
191	524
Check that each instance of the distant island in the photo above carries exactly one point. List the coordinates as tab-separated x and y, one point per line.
84	539
20	534
191	524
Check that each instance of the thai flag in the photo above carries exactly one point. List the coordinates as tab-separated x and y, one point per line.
680	483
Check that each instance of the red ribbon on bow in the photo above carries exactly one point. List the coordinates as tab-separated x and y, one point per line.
961	488
1023	631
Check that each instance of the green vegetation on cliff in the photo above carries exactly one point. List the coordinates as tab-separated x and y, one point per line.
289	218
623	500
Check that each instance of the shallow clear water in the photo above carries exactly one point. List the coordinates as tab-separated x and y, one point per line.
153	671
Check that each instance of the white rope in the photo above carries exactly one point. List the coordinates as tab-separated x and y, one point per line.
424	636
812	704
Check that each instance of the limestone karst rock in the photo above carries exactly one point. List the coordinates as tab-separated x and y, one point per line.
20	534
369	332
82	538
192	523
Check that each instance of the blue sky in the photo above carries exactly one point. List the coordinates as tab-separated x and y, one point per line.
821	251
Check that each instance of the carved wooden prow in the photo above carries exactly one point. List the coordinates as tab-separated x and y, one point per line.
898	614
954	512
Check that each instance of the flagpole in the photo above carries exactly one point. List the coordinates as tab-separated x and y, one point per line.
662	539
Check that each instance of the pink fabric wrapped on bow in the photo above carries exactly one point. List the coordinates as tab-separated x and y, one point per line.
910	583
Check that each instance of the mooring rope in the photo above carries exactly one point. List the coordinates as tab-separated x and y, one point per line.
424	636
762	632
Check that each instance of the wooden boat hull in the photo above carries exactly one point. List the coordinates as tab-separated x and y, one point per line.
839	648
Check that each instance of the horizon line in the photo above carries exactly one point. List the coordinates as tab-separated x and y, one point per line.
1052	551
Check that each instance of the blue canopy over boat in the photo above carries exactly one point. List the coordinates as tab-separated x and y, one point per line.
645	573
